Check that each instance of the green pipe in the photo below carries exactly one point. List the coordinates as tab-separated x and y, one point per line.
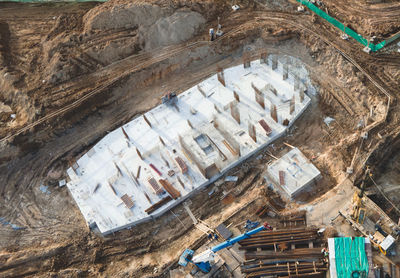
347	30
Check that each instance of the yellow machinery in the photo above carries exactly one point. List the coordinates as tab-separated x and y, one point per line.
359	210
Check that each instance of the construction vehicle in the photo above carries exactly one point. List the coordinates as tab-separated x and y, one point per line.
203	261
381	239
358	206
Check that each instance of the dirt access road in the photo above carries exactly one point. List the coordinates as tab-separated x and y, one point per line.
80	78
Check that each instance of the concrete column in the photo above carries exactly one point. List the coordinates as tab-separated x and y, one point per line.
259	96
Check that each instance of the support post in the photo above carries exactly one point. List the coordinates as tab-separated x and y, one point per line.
292	105
296	82
201	91
220	76
274	113
139	154
264	58
125	134
252	132
246	60
274	62
161	140
285	74
190	124
302	94
236	96
259	96
235	113
147	120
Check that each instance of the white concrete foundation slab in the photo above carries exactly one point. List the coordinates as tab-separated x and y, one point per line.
296	171
199	129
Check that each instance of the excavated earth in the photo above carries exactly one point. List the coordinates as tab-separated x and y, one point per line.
70	73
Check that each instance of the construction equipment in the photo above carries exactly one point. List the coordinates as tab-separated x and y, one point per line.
169	98
203	261
358	206
380	238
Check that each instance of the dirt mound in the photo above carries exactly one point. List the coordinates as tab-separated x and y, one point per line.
120	16
178	27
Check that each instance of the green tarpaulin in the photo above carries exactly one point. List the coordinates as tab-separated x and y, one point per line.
350	257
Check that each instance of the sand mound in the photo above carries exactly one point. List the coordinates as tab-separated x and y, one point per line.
157	26
178	27
130	15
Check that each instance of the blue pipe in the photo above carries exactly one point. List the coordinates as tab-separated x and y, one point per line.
232	241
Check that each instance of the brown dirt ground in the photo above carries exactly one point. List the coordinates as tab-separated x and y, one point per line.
58	118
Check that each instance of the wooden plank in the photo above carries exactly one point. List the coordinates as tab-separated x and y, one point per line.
127	201
157	205
170	188
182	165
229	147
157	189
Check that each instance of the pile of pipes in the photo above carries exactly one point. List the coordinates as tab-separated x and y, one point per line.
285	253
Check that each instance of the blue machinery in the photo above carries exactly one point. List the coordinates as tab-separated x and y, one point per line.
203	260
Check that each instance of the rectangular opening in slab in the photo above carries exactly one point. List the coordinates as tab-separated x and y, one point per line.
204	143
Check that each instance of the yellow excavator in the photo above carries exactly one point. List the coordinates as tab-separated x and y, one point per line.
359	210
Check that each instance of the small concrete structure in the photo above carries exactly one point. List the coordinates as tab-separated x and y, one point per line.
143	169
293	172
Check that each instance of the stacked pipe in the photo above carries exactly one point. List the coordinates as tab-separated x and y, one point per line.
268	239
274	254
284	269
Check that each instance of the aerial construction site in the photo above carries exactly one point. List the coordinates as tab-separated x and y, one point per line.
250	138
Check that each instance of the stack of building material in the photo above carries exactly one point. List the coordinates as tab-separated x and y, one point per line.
275	239
175	194
294	220
286	253
157	189
157	205
182	165
127	201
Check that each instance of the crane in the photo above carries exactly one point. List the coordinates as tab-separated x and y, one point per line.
204	259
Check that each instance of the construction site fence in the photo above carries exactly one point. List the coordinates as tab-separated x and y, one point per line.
347	30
